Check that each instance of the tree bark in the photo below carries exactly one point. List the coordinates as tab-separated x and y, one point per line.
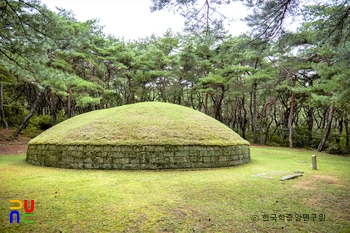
217	102
233	116
346	124
268	129
30	114
131	96
255	138
243	127
310	123
291	113
328	129
2	113
251	110
53	108
340	130
206	103
261	124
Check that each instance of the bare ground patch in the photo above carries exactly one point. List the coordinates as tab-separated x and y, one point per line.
11	146
328	192
312	182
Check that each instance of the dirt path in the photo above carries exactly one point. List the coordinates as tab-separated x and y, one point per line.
9	146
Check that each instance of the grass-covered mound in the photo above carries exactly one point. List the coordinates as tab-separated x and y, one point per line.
148	123
139	136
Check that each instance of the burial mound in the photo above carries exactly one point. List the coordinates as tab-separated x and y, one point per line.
147	135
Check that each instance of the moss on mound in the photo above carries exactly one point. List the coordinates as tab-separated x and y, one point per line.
150	123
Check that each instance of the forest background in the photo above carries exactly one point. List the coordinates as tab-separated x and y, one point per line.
272	85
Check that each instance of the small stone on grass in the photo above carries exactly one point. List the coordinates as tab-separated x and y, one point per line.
290	177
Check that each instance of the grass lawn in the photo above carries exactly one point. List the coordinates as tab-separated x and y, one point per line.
216	200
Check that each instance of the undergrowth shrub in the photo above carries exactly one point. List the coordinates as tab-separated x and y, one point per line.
335	148
41	122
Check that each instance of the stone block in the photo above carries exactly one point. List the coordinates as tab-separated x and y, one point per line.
203	153
148	148
177	159
169	154
132	166
79	154
117	166
106	148
96	154
106	166
246	155
67	159
124	148
116	154
168	148
114	148
210	148
195	159
132	155
73	165
108	160
150	166
145	158
134	160
207	165
120	160
79	148
181	153
159	148
87	160
211	153
104	153
206	159
193	153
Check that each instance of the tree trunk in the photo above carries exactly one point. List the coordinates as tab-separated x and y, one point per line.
275	119
2	113
324	119
217	105
226	120
268	129
346	124
328	128
30	114
244	118
131	97
251	110
255	138
261	131
218	114
233	118
291	113
206	103
340	130
310	123
53	109
262	118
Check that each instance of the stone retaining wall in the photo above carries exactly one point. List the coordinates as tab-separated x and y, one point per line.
137	157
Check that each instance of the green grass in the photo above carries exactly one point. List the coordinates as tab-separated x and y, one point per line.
148	123
212	200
